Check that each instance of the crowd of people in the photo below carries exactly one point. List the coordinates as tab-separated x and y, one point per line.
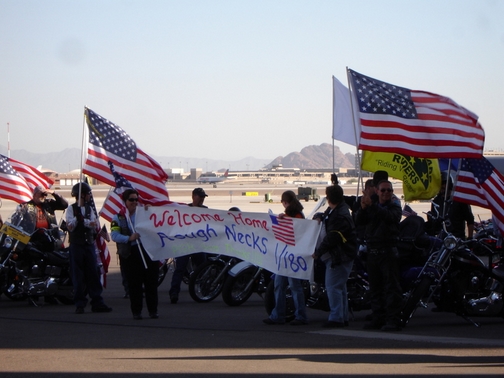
349	221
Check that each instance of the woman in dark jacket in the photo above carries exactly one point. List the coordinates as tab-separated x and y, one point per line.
140	271
337	251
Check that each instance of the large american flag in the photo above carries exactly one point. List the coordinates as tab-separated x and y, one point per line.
32	175
283	229
415	123
108	142
17	180
480	184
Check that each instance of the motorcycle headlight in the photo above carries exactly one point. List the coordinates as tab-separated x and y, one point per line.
7	242
450	242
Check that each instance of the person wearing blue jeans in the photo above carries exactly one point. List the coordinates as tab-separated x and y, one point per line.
337	251
293	209
296	286
335	282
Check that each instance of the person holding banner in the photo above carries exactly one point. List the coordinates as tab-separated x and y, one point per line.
293	209
140	271
198	197
81	224
337	251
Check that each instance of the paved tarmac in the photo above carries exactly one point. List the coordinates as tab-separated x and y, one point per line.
213	340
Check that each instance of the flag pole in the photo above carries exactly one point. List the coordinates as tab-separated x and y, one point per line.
82	149
333	157
333	153
138	243
8	140
448	179
350	90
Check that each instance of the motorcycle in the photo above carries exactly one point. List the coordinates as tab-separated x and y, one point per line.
465	277
207	280
244	279
169	265
33	262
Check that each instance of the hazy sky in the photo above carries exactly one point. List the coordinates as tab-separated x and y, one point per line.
233	79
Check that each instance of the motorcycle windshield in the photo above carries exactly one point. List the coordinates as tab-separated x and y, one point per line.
24	220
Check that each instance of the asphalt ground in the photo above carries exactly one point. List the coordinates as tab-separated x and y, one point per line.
213	340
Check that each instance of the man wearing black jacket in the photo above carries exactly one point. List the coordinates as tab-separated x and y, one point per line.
380	215
40	209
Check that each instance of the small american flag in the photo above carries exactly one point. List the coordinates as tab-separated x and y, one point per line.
113	203
101	244
480	184
408	211
283	229
415	123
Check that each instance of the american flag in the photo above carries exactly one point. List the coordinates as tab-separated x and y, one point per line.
283	229
480	184
101	243
32	175
415	123
113	203
13	186
408	211
108	142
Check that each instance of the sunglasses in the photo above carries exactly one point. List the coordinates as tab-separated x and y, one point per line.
43	195
133	199
386	190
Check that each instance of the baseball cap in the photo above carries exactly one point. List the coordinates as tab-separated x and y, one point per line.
39	189
199	192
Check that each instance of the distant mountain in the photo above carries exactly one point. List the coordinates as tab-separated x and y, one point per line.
309	157
70	159
315	157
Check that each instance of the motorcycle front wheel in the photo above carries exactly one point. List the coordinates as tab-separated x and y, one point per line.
163	270
13	287
207	280
238	289
420	289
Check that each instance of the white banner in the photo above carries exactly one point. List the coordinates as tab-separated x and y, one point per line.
282	246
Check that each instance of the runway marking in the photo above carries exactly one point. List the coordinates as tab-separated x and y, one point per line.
398	336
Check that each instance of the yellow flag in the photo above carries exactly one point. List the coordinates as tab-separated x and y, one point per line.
421	177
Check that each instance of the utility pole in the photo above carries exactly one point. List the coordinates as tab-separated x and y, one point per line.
8	140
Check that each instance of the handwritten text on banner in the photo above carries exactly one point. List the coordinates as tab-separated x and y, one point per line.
262	239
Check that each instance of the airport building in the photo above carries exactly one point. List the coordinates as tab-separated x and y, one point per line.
275	175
